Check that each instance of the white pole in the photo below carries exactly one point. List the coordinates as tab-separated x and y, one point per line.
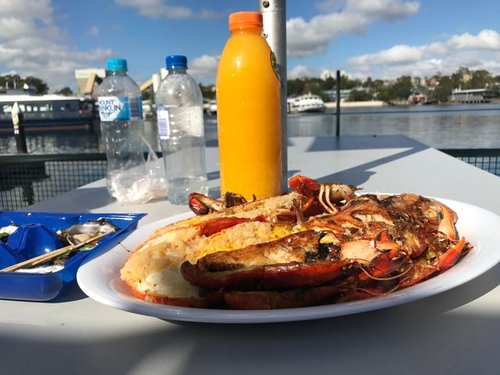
156	78
274	18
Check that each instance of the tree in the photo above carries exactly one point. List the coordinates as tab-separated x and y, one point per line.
369	83
14	81
313	86
11	81
457	78
481	79
40	86
359	96
295	87
385	94
66	91
208	92
442	91
348	84
401	89
439	87
329	83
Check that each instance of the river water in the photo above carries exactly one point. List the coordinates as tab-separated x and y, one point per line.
439	126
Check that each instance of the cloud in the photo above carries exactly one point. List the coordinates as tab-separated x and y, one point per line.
32	44
486	39
93	31
307	38
163	9
400	54
210	14
204	67
330	5
445	57
300	71
157	8
382	10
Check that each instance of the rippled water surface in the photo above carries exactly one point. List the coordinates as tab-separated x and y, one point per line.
444	126
452	126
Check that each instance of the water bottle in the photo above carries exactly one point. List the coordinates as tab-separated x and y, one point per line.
179	106
120	111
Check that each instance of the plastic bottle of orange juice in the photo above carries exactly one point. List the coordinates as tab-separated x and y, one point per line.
248	111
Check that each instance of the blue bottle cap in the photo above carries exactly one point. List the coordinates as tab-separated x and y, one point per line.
117	64
176	61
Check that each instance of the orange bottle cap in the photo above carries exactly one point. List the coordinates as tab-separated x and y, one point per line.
245	19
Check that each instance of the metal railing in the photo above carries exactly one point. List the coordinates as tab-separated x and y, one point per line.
487	159
27	179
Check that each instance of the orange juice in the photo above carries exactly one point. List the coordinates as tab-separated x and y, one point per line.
248	111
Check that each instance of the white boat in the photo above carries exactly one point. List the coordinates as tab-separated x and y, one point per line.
305	103
148	109
44	110
210	107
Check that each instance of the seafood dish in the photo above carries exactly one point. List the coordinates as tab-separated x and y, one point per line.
321	243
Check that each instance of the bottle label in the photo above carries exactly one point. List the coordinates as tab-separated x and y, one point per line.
274	65
135	107
163	123
185	120
119	108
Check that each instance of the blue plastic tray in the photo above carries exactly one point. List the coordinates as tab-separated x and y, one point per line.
41	238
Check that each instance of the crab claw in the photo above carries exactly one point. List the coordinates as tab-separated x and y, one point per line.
202	204
233	199
303	185
327	195
447	223
449	258
421	271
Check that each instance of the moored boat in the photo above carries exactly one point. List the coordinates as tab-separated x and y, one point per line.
210	107
305	103
39	111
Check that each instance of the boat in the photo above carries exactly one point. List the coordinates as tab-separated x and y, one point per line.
209	107
148	109
305	103
471	96
45	111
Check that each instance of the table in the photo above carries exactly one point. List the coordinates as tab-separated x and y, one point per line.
455	332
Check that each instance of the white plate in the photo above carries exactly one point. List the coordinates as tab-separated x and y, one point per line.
99	278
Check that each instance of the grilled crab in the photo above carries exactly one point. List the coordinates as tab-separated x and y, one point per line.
371	246
315	245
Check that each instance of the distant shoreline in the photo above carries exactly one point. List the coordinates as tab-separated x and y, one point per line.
361	104
380	103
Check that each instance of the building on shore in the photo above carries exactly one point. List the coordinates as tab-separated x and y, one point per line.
418	98
87	81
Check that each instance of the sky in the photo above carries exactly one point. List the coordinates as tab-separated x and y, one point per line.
381	39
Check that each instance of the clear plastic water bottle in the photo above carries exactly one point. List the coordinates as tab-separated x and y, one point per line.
122	129
179	105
